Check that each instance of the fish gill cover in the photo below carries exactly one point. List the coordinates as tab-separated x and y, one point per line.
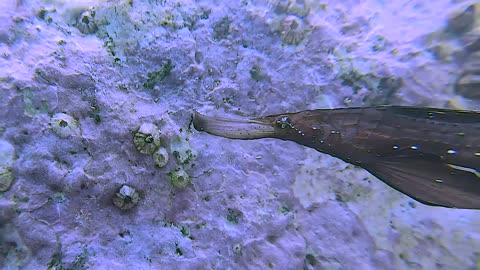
100	168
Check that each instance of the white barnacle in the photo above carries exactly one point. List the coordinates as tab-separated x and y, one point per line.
126	197
414	147
147	138
477	154
395	147
65	125
179	178
292	30
160	157
86	23
439	180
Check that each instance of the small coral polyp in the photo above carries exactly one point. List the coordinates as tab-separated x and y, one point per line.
147	138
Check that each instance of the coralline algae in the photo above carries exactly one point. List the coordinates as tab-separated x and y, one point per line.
95	104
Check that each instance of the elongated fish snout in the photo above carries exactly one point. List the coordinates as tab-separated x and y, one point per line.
245	129
429	154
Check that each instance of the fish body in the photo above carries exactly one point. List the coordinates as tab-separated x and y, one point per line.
429	154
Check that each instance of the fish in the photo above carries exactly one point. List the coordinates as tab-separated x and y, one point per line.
429	154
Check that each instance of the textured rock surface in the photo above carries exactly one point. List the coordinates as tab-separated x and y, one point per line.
71	102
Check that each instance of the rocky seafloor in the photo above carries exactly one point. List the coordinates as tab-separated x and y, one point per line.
101	169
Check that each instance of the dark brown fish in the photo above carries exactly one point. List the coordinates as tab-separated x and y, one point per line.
431	155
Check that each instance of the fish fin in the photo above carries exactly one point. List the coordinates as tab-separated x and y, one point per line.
429	181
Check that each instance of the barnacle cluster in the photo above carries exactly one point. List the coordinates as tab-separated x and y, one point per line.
86	23
126	197
147	141
65	125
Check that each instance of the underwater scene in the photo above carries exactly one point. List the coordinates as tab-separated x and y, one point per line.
252	134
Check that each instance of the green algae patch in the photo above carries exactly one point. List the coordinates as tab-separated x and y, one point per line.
182	150
157	77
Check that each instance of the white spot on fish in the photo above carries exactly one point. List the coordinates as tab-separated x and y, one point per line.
395	147
414	147
439	180
451	151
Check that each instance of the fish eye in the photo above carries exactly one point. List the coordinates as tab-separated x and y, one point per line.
283	122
